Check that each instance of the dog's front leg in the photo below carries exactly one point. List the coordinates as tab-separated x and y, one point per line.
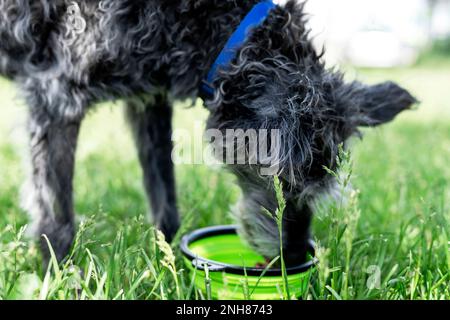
50	199
296	233
151	123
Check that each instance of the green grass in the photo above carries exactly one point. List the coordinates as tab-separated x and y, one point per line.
390	241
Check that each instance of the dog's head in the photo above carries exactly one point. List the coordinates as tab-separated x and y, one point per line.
278	83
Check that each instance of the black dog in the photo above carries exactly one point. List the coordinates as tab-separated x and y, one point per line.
67	55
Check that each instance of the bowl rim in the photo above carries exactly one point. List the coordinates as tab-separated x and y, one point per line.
216	266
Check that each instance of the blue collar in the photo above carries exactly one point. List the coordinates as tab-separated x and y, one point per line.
253	19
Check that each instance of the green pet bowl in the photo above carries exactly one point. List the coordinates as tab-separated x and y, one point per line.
217	253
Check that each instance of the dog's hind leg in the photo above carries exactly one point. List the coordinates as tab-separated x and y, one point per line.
151	123
49	199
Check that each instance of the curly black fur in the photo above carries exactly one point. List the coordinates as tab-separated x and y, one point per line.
68	55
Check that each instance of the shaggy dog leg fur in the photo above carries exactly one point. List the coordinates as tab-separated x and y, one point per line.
152	130
50	199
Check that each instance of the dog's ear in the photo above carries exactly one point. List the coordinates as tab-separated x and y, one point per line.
373	105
